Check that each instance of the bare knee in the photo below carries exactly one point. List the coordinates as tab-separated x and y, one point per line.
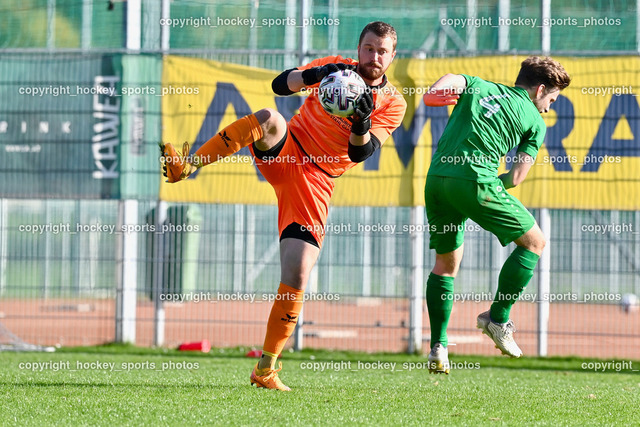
538	244
296	277
533	240
272	123
448	264
445	268
297	259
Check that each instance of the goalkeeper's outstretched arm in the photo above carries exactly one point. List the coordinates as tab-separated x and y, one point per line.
293	80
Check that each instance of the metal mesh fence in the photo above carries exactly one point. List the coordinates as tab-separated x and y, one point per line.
58	286
216	266
576	26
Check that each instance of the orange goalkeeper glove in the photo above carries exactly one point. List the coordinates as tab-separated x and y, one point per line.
440	98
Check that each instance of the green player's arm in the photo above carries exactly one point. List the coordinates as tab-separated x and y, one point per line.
455	83
446	91
519	170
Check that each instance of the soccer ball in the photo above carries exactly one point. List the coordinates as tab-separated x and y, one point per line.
339	92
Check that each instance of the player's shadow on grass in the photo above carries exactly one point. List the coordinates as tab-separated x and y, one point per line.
29	384
532	363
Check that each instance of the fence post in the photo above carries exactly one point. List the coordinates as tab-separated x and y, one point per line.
127	252
472	14
545	34
544	267
239	253
127	246
134	24
87	19
636	250
504	10
497	258
367	253
298	333
4	231
417	278
165	30
47	251
160	275
638	25
51	24
303	48
615	246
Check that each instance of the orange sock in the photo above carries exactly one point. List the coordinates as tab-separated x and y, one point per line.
282	321
231	139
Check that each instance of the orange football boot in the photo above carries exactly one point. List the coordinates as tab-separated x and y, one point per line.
268	379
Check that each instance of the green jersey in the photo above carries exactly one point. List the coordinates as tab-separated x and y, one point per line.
489	120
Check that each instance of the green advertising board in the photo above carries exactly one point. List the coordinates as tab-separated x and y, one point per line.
79	126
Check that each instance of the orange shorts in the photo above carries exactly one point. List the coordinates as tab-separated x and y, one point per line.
302	189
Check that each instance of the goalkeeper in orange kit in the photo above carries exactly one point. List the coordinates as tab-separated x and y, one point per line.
301	160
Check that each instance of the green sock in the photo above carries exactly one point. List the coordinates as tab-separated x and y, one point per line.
439	303
516	273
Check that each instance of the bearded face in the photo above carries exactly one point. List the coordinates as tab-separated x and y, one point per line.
374	56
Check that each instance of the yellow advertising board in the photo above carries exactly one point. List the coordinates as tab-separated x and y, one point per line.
590	158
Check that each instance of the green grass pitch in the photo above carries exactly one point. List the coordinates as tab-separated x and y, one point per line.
75	386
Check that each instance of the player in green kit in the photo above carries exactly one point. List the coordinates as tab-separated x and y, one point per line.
488	121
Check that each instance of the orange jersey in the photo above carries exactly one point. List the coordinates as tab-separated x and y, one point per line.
325	138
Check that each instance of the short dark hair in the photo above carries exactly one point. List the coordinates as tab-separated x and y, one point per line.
380	29
546	71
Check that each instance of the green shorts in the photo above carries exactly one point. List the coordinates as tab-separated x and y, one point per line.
451	201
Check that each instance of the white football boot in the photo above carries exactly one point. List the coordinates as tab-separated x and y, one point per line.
500	333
